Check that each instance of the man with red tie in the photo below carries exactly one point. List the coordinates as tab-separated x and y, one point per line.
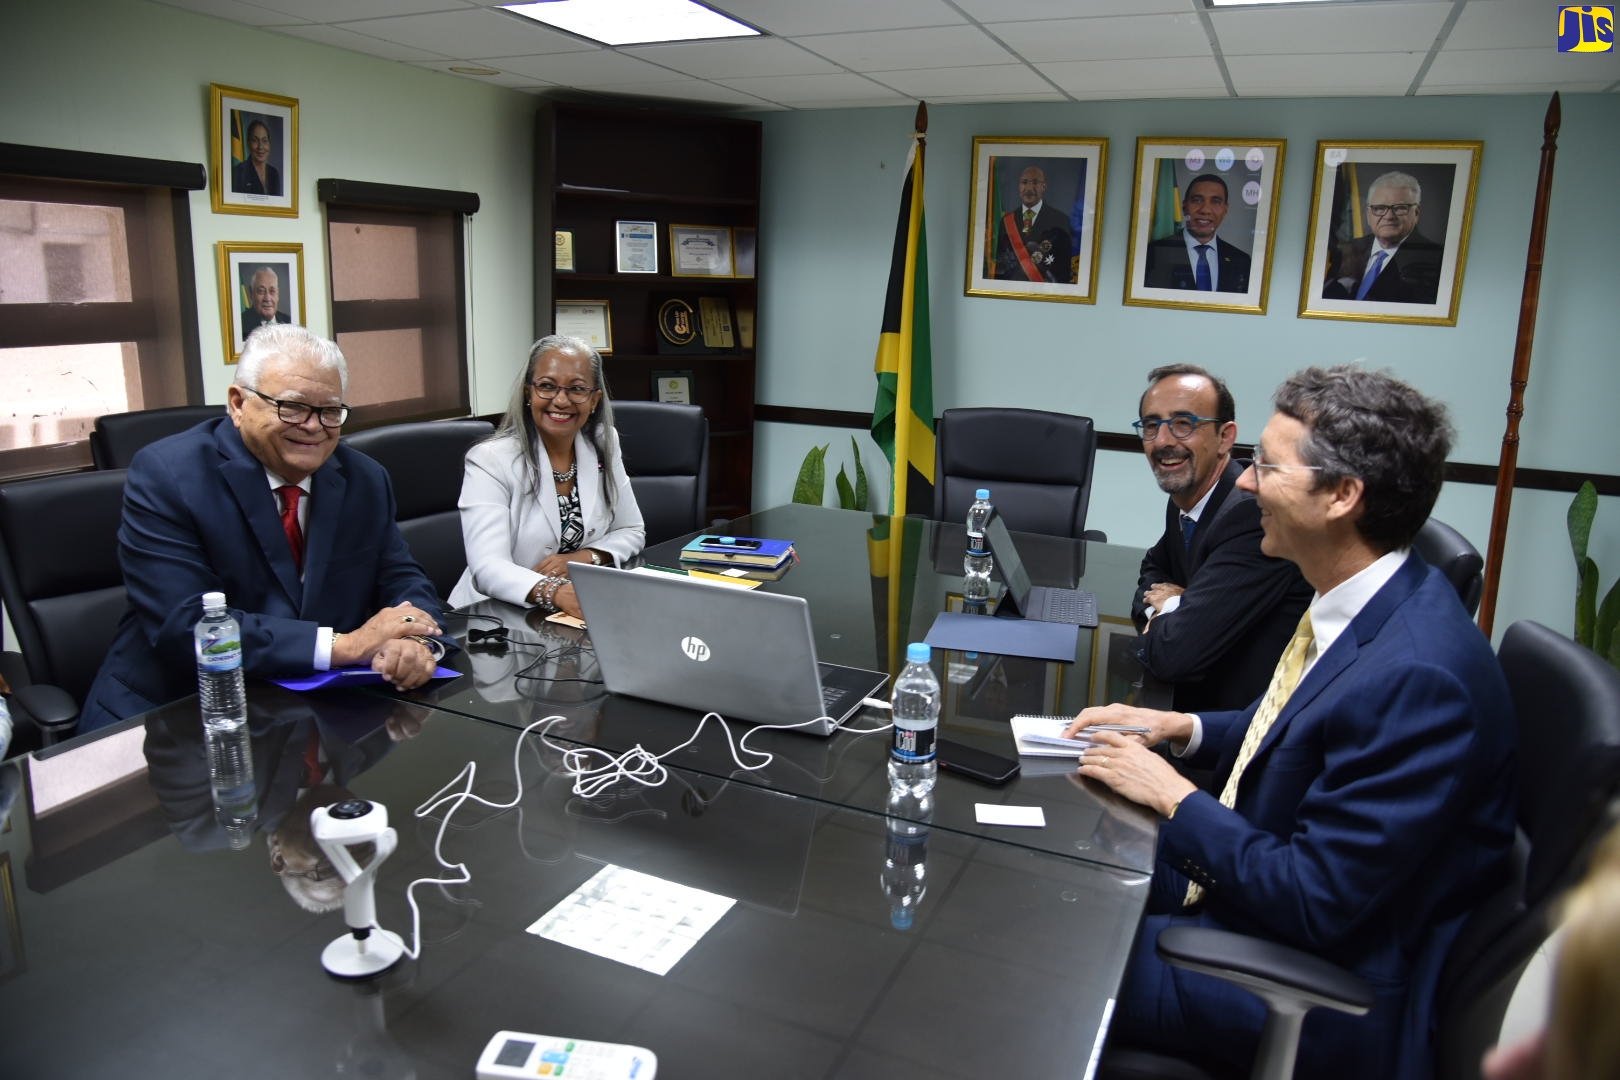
295	529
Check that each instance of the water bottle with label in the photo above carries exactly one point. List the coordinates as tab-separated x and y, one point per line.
223	700
915	705
977	563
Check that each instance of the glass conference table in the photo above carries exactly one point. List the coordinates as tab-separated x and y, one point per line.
874	584
146	936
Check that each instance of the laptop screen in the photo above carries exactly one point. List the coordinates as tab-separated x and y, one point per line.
1005	552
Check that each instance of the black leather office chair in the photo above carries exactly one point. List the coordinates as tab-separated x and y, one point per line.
1567	703
666	453
64	591
1444	547
117	436
1036	464
424	460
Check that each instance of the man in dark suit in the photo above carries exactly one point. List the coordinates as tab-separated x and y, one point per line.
1368	799
265	290
296	530
1392	264
1195	258
1033	243
1215	612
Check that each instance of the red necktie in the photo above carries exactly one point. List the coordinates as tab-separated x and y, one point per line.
290	494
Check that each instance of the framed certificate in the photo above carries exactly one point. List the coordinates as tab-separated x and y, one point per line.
638	247
700	251
588	320
673	387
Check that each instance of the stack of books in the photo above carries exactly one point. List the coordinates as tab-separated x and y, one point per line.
750	553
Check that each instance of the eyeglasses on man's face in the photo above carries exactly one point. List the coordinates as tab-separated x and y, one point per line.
548	390
1399	209
1181	425
1261	465
297	412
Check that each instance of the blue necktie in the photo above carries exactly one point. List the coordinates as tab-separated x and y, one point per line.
1201	271
1372	274
1187	527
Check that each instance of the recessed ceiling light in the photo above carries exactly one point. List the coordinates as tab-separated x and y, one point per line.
634	22
462	70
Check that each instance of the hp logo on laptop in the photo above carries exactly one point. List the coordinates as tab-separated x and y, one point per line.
695	648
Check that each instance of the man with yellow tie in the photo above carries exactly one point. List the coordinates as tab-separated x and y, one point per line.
1033	242
1368	796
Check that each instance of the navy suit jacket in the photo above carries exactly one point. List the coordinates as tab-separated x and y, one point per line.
1221	643
1411	277
199	516
1378	808
1168	266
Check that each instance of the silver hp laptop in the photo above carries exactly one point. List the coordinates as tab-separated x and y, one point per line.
745	654
1038	602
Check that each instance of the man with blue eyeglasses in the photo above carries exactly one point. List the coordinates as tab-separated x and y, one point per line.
297	531
1214	611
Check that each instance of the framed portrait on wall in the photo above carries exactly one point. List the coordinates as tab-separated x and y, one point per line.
253	152
1203	219
1388	237
258	284
1034	219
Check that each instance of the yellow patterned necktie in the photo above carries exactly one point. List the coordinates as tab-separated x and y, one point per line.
1029	219
1283	680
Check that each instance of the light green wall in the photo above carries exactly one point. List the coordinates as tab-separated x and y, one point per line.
824	286
127	77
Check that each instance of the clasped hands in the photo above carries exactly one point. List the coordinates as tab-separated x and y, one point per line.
557	566
1124	763
388	640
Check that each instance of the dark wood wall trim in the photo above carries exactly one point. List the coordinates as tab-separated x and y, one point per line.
54	164
395	196
1456	471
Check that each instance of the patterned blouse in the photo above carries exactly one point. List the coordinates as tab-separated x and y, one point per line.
573	521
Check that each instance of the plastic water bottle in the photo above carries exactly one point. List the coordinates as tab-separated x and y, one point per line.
905	855
977	563
915	705
224	715
219	666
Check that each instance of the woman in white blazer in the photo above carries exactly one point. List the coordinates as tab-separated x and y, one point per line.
549	487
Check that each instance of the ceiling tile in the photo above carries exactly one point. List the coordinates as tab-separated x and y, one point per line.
1119	94
251	14
1316	29
331	11
1504	24
603	67
734	59
980	99
1018	10
815	89
1513	88
1377	73
1125	38
898	50
348	39
500	78
936	83
470	34
1130	77
692	90
1464	67
792	18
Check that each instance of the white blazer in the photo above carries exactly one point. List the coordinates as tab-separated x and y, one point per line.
507	529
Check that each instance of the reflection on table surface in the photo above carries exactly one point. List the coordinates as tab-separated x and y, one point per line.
873	584
848	943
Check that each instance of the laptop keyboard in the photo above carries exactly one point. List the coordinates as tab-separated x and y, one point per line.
1075	606
832	699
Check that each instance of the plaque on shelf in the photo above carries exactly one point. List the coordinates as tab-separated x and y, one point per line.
588	320
565	251
744	242
700	251
638	247
745	327
714	315
672	387
681	325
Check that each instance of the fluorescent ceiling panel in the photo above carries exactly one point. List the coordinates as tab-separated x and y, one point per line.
634	22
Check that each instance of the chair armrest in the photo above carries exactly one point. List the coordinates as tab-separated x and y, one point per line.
52	710
1095	536
1266	967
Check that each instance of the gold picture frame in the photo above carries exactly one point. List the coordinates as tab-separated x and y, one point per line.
701	251
589	320
1421	283
1052	254
253	152
243	269
1229	187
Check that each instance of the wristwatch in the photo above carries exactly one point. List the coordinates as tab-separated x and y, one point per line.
596	556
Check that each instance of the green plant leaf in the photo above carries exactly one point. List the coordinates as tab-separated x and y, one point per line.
1586	584
1604	639
811	486
1581	512
862	495
846	492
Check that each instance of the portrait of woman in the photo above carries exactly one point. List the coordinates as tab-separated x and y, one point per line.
254	174
548	489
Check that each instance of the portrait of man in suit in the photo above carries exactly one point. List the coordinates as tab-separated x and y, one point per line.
264	296
1393	263
1196	257
1033	242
